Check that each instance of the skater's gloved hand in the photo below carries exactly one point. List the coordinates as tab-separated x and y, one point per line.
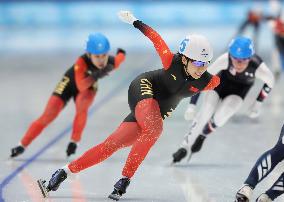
254	111
127	17
120	50
190	112
101	73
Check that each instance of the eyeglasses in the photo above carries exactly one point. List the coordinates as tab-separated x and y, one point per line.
199	63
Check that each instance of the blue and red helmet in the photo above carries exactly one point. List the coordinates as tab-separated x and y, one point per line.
97	44
241	48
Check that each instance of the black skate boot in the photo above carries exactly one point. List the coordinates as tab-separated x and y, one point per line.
241	198
179	155
59	176
16	151
198	144
71	148
119	188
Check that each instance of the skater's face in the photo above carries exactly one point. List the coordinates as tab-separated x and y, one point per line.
100	61
240	64
195	68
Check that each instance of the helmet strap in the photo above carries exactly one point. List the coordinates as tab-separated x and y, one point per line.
186	64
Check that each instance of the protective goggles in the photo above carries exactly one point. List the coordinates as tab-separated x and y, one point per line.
199	63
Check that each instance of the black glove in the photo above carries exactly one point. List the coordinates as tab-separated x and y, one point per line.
101	72
120	50
98	74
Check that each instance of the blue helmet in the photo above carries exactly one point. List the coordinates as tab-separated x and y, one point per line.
97	44
241	47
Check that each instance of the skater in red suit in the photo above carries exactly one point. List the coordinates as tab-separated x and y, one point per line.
253	19
79	82
152	96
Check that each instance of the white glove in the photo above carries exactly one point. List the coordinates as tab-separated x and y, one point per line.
190	112
254	111
127	17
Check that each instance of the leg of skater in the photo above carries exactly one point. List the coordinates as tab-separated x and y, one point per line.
210	102
52	109
83	101
148	116
263	166
274	191
123	136
227	108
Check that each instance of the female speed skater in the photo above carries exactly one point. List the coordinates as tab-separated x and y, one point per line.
262	168
79	82
237	70
152	96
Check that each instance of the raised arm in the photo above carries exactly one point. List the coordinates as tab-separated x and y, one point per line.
213	83
160	45
119	58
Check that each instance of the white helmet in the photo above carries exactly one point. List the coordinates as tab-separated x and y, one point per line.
196	47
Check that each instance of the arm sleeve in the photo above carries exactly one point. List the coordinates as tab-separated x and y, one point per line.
119	58
83	82
213	83
219	64
263	73
243	26
161	47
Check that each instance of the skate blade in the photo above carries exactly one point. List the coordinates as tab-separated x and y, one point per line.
175	163
42	187
179	162
115	197
13	156
189	157
172	163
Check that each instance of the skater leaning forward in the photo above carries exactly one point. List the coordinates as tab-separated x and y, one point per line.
152	97
238	70
79	82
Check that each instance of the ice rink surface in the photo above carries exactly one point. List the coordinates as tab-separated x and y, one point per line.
33	60
213	175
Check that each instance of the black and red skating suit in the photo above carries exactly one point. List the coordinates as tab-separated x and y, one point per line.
152	97
277	25
79	82
84	75
168	85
